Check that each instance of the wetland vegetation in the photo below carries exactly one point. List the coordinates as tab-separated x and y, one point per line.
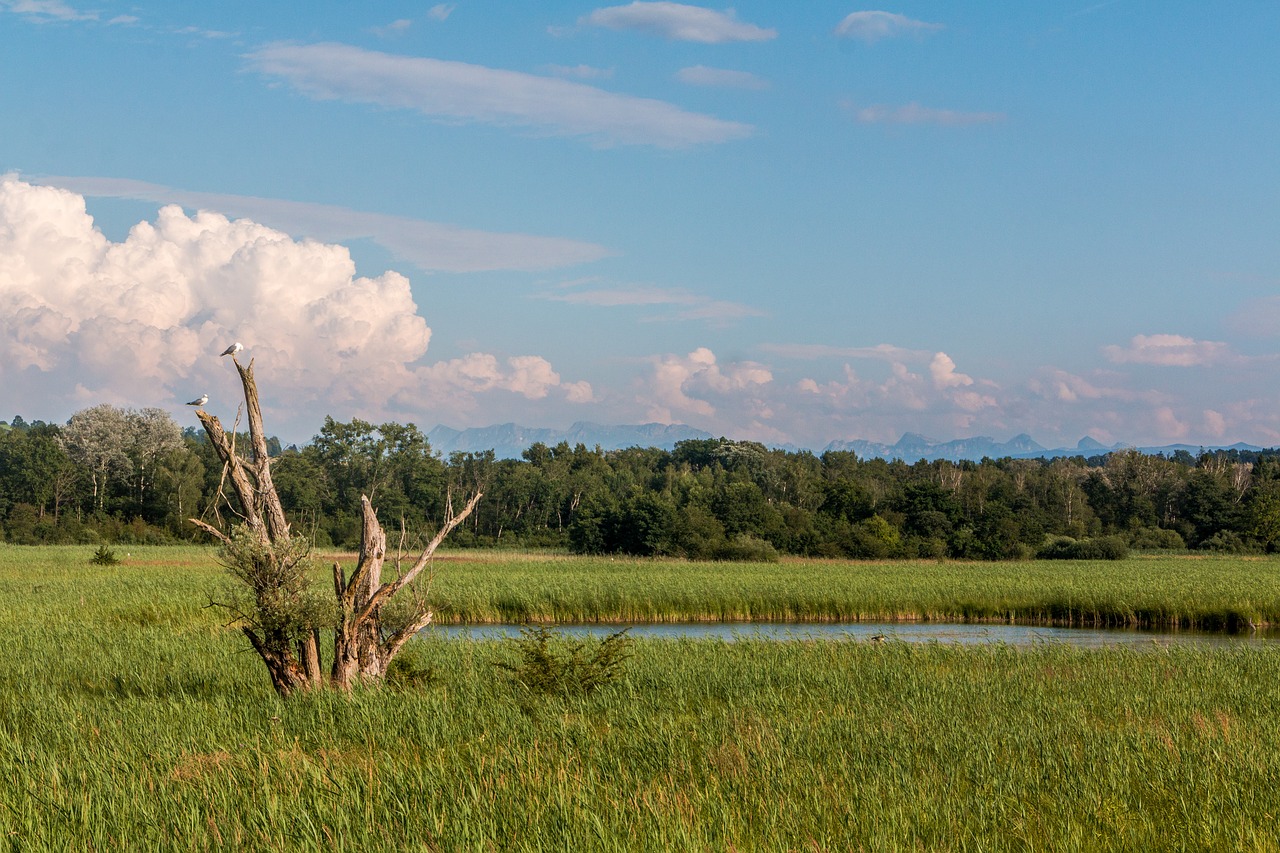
131	717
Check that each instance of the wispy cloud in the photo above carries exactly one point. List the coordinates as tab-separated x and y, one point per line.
431	246
580	72
458	91
1170	351
914	113
678	22
872	26
701	75
879	352
44	11
394	28
688	306
441	11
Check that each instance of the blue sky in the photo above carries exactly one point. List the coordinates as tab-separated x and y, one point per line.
786	222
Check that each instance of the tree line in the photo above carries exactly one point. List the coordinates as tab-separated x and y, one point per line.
123	476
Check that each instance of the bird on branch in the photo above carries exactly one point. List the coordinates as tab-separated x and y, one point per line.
200	401
233	349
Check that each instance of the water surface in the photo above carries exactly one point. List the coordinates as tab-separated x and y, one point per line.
907	632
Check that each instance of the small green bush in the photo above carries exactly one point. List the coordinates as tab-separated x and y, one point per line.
409	670
552	665
745	549
104	556
1099	548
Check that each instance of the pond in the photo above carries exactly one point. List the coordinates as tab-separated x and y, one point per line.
908	632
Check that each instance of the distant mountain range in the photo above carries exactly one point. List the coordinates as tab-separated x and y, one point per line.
913	447
509	441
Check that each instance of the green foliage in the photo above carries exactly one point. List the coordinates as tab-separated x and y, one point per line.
1102	548
411	670
274	593
104	556
550	664
167	737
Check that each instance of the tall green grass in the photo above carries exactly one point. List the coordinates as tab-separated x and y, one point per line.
1218	593
131	718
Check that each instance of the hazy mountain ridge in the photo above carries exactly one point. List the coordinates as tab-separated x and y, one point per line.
510	440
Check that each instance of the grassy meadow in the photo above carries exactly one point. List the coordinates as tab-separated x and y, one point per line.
132	718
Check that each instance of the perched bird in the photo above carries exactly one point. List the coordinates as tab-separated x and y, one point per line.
200	401
233	349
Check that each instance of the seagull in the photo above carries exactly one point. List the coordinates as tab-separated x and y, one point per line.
233	349
203	398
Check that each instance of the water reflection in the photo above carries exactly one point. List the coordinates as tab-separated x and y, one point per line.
908	632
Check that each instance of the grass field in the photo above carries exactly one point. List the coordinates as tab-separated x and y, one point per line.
130	717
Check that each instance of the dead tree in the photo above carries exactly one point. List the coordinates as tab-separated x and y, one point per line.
280	612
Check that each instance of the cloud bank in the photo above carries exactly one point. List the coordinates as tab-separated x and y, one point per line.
84	320
678	22
459	91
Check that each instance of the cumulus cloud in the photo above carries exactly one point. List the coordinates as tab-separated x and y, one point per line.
430	246
1169	351
678	22
871	26
458	91
914	113
701	75
681	386
943	371
87	320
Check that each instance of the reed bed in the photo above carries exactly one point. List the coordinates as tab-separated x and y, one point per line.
131	718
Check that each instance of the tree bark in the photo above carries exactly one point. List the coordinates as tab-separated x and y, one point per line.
361	652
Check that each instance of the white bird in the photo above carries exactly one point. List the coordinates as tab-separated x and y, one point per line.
204	398
233	349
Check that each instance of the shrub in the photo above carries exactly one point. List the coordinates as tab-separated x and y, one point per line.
1100	548
746	548
104	556
409	670
551	665
1157	539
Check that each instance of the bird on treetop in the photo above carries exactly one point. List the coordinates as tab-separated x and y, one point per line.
200	401
233	349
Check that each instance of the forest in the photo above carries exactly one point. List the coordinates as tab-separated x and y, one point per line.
120	476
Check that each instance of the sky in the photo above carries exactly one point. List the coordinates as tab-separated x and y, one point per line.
785	222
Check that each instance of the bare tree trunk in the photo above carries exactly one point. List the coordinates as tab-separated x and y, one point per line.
360	649
272	568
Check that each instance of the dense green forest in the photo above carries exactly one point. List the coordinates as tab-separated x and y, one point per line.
122	476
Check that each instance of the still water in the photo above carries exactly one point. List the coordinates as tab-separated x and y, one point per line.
907	632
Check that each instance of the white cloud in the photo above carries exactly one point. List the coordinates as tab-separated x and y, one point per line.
687	386
943	371
689	306
43	11
1170	351
141	322
458	91
679	22
914	113
580	72
431	246
879	352
871	26
441	11
701	75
